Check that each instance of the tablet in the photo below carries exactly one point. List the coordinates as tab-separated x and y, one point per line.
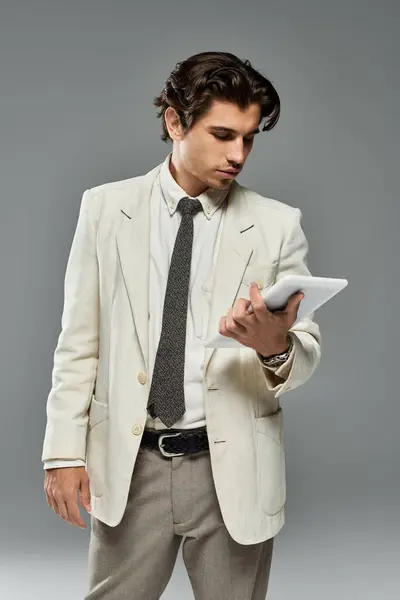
316	290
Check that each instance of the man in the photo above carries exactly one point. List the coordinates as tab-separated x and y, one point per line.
164	439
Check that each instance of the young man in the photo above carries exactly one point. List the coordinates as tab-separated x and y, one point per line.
164	439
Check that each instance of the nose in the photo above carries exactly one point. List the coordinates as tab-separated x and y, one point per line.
237	156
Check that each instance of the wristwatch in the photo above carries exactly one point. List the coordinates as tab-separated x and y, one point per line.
277	359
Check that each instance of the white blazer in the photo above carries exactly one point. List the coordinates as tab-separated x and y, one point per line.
96	409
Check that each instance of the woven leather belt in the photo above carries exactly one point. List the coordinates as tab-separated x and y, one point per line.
176	442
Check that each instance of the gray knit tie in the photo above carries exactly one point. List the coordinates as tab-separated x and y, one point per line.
167	397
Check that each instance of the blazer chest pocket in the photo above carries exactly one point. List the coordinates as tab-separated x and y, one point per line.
262	273
271	462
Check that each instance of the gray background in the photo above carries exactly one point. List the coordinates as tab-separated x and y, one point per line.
77	84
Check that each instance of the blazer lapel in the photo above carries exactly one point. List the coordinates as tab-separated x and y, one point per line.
133	243
236	248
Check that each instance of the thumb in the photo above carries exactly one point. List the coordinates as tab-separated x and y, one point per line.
300	296
295	301
85	494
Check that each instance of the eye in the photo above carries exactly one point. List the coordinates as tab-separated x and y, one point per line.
225	137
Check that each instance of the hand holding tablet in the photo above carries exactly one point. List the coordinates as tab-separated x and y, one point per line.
316	290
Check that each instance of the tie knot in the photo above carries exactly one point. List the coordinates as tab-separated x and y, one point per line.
189	206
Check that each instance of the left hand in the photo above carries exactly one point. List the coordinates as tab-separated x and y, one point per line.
264	331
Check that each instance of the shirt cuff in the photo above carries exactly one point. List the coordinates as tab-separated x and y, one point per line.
57	463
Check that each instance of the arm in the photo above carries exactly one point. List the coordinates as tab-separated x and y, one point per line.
306	352
76	354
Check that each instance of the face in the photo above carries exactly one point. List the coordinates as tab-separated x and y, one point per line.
221	140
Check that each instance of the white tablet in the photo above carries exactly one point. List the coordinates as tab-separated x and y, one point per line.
316	290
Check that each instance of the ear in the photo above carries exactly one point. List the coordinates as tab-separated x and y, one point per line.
173	123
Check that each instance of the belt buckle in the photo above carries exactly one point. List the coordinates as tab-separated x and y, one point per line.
164	452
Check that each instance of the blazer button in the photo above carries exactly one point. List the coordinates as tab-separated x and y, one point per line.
142	377
137	429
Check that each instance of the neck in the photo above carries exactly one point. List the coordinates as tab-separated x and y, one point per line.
190	184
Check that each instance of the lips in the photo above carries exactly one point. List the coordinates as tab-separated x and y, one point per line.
229	173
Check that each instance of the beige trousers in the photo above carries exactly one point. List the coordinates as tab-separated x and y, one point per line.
170	500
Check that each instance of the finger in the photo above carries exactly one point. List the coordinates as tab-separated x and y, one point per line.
297	297
62	511
232	325
50	490
223	330
221	326
51	502
293	308
240	308
58	504
296	300
85	494
73	512
293	301
257	301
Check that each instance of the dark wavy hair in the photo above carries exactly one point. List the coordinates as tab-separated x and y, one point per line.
195	82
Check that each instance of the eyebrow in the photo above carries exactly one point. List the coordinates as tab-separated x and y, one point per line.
228	130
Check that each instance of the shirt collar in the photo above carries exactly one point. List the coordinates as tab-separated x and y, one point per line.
211	199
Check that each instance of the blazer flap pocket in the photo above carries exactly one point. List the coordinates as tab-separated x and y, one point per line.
271	425
98	412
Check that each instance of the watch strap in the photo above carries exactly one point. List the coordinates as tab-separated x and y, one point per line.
277	359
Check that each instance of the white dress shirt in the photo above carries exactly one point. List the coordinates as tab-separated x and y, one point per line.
207	227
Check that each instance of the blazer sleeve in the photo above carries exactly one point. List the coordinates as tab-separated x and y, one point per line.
306	352
76	354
